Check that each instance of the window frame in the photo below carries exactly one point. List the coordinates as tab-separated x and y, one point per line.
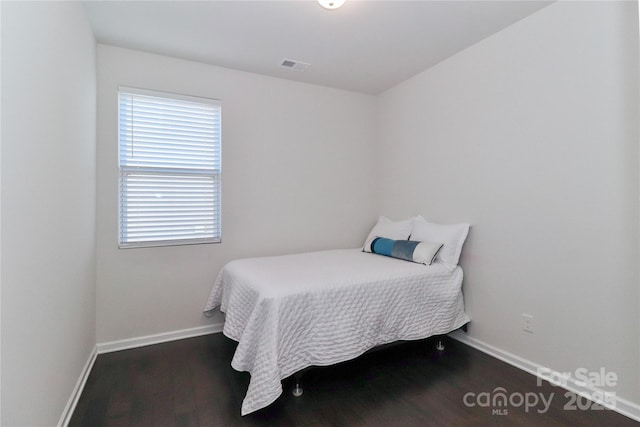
215	174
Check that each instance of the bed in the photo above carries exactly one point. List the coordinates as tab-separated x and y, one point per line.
291	312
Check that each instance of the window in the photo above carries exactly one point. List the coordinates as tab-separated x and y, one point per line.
169	161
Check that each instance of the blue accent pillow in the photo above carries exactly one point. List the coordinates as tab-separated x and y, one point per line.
409	250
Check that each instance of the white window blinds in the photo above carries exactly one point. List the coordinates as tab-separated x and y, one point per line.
169	160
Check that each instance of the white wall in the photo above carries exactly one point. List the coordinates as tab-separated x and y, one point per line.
0	213
48	207
297	174
532	136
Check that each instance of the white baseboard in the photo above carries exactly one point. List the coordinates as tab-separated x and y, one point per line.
77	390
108	347
622	406
123	345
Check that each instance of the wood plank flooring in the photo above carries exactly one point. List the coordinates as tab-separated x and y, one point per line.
191	383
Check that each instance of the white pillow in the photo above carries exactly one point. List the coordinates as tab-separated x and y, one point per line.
453	237
394	230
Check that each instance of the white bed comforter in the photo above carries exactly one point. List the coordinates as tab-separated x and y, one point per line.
320	308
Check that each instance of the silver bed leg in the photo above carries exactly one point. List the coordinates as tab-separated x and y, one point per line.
297	390
440	346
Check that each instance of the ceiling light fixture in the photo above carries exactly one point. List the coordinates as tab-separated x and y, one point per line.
331	4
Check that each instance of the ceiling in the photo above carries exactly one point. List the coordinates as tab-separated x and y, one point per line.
365	46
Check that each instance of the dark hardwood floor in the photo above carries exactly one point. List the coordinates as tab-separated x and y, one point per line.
191	383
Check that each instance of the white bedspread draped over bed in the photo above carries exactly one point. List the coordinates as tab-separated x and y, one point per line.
320	308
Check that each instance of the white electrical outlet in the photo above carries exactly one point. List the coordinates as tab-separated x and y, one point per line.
527	323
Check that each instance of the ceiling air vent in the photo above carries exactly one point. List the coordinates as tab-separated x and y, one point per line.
295	65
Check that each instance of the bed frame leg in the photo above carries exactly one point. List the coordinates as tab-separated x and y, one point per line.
297	390
440	346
